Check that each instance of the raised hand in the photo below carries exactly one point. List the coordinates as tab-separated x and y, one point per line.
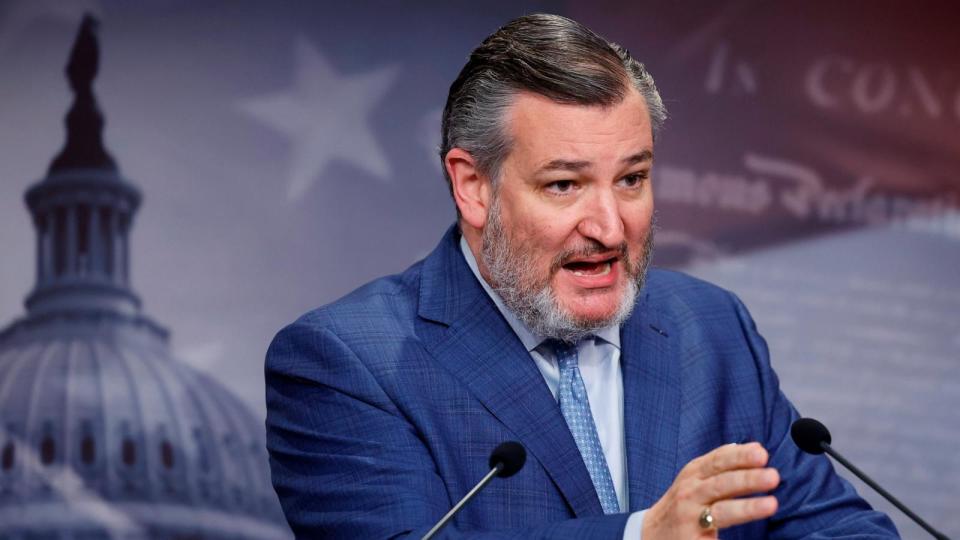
709	494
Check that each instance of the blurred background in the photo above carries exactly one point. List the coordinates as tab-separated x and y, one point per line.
286	154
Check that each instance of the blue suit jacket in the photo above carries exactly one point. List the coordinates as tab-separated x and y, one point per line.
383	407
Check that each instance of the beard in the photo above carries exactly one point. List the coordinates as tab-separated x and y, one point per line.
527	292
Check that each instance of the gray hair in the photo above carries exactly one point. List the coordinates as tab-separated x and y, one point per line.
548	55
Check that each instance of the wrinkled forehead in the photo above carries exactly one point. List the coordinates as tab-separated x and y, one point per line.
542	131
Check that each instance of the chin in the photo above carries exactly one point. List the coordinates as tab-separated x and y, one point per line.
598	307
594	313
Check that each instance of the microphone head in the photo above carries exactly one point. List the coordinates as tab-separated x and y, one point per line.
511	455
810	435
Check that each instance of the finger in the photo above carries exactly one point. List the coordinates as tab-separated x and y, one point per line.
739	511
738	483
731	457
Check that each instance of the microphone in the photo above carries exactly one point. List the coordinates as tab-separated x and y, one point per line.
814	438
505	461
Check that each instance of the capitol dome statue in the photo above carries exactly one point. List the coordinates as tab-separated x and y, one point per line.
104	434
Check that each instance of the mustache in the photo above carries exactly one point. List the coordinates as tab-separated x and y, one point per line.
590	248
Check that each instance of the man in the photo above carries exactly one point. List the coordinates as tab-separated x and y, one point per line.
535	320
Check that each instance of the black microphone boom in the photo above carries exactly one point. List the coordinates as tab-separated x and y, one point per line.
814	438
506	460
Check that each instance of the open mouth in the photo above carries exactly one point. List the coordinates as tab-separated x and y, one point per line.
590	268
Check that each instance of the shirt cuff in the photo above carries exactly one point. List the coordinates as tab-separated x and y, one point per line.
634	528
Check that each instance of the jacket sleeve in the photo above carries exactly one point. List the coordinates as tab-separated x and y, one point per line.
345	462
814	502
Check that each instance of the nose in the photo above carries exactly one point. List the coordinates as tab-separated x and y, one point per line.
601	219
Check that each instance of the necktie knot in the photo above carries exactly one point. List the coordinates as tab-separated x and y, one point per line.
566	353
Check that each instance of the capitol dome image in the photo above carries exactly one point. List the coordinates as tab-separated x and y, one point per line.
105	434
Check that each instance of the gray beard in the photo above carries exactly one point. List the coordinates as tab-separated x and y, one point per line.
533	301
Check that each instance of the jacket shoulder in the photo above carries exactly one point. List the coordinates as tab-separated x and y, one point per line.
382	307
681	294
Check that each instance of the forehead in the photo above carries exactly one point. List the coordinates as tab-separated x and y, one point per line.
542	130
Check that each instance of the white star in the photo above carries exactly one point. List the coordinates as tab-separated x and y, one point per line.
325	115
428	132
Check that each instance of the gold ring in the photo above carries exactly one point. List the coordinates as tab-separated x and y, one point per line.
706	521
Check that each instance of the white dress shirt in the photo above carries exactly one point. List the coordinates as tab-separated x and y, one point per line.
599	361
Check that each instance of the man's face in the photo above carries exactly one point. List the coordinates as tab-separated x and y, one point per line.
569	229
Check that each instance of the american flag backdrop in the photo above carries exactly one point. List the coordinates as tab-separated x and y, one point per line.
287	152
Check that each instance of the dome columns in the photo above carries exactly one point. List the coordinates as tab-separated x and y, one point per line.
83	221
87	239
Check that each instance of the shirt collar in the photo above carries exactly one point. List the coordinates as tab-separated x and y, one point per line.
610	334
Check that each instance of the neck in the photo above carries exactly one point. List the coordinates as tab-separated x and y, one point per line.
474	238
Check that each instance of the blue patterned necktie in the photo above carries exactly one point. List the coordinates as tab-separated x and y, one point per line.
575	407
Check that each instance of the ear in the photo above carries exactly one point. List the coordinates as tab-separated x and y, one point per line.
471	190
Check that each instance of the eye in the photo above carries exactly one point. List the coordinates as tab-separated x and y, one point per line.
634	180
561	186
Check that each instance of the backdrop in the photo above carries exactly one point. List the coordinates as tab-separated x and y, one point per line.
287	154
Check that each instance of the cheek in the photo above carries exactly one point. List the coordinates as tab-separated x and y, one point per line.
539	232
638	220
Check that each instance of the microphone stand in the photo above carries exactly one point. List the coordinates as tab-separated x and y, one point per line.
886	495
466	498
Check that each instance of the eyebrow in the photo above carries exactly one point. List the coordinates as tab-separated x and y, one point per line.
577	165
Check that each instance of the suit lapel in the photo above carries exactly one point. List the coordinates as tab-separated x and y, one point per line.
651	395
482	351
